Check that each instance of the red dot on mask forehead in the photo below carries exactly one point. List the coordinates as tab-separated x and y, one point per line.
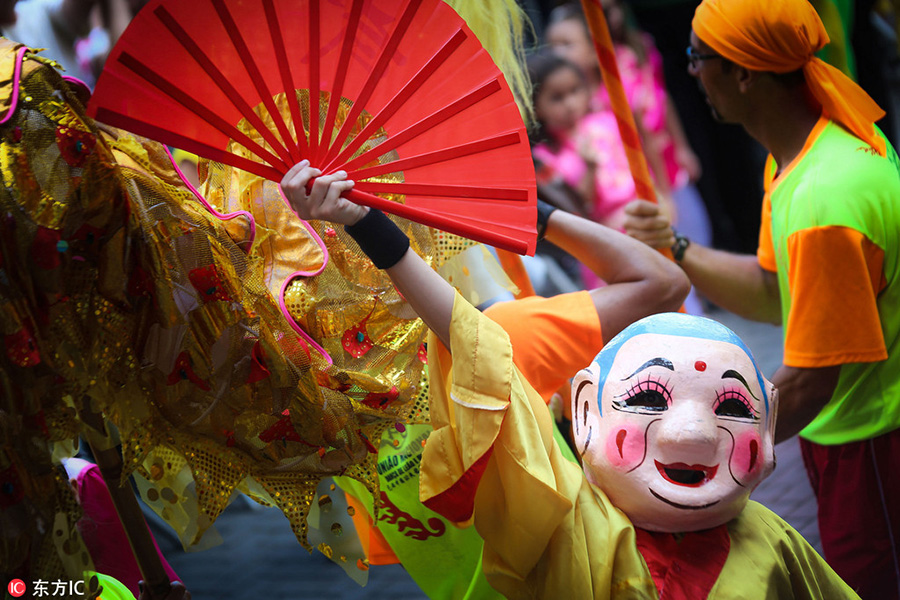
700	365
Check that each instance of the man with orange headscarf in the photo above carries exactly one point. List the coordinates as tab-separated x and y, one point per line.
827	267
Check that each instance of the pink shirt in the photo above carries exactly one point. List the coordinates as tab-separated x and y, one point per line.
645	89
614	185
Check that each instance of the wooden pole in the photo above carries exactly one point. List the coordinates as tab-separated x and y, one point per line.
156	580
609	69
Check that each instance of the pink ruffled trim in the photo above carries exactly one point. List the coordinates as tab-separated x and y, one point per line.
284	310
281	303
79	83
209	207
227	217
20	54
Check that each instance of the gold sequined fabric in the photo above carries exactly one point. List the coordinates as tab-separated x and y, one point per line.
221	367
38	510
235	347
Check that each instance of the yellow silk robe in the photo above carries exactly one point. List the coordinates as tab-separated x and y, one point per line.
548	532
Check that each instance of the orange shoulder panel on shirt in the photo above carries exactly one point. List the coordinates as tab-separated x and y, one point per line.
834	274
552	338
765	253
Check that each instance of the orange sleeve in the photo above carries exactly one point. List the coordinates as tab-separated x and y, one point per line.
765	254
552	338
834	274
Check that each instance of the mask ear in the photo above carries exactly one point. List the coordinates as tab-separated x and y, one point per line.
771	418
585	406
773	407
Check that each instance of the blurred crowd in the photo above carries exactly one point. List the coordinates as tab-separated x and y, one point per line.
707	176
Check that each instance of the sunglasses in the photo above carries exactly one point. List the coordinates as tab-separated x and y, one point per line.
695	57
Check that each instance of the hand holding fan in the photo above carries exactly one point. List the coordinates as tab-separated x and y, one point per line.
398	93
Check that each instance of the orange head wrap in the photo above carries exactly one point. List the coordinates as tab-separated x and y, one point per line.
781	37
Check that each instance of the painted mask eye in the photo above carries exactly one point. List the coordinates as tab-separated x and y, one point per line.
732	403
646	396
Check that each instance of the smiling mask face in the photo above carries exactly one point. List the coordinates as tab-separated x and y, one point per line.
675	423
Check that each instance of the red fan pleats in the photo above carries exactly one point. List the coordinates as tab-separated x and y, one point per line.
399	93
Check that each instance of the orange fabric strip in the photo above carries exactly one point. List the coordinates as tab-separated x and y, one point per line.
782	37
376	548
515	270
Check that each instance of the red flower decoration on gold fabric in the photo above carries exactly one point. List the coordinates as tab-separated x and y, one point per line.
45	248
87	234
183	370
356	340
74	146
139	283
423	353
258	369
209	283
365	439
21	348
282	430
382	399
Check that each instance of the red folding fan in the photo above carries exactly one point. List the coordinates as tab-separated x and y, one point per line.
409	103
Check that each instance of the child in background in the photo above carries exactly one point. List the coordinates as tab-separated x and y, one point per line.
580	161
575	147
671	158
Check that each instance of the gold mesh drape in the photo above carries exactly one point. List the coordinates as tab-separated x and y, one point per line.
119	287
235	347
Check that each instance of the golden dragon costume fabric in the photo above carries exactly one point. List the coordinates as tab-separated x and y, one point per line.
123	291
233	346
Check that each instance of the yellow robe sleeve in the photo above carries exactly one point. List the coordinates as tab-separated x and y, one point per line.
492	458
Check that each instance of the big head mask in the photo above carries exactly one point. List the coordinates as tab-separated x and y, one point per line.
675	422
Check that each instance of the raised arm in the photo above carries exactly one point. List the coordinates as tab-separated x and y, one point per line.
641	281
735	282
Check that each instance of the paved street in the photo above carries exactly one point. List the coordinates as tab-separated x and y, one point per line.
260	558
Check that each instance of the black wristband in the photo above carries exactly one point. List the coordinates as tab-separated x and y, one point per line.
380	238
678	248
544	210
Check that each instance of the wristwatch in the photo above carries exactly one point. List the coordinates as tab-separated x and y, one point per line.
681	244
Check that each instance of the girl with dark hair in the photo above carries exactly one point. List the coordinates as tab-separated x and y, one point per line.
674	165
